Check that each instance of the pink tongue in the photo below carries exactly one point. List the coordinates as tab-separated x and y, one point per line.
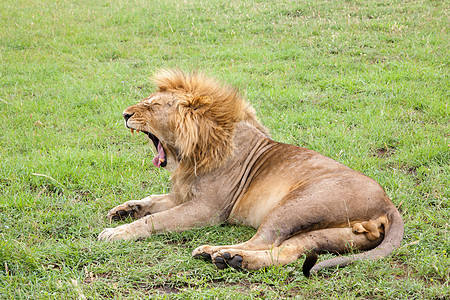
158	159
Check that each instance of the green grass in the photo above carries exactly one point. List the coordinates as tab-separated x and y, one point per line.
364	82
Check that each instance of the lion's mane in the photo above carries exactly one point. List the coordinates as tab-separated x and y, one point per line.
204	123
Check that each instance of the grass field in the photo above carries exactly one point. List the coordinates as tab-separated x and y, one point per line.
364	82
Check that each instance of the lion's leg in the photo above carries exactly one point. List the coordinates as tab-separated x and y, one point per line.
140	208
309	208
176	219
335	240
239	256
257	242
206	251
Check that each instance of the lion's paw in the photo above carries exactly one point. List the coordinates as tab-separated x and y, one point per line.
224	258
220	256
115	234
203	252
131	209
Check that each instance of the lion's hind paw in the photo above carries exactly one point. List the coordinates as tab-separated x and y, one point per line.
204	256
203	252
223	259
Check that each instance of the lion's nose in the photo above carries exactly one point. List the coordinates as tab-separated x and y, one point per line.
126	116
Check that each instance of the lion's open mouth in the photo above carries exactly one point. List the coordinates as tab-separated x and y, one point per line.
160	159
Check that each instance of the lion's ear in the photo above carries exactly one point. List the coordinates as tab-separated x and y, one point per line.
195	104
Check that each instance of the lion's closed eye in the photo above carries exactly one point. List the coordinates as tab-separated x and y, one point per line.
151	106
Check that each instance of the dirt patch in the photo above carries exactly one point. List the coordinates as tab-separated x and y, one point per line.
161	289
384	152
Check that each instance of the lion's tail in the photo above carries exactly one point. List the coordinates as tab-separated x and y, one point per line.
391	241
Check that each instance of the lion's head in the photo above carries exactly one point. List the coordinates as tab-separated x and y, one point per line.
190	119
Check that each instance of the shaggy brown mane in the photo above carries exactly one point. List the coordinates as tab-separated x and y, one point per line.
197	87
204	122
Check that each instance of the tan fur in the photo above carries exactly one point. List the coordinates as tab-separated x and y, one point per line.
225	167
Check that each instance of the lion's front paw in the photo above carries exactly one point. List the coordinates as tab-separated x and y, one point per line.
115	234
131	208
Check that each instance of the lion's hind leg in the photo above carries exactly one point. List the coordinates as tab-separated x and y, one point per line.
334	240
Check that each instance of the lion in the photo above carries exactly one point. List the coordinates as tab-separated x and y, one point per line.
226	168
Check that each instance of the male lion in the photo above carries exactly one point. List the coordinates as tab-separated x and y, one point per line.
225	167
